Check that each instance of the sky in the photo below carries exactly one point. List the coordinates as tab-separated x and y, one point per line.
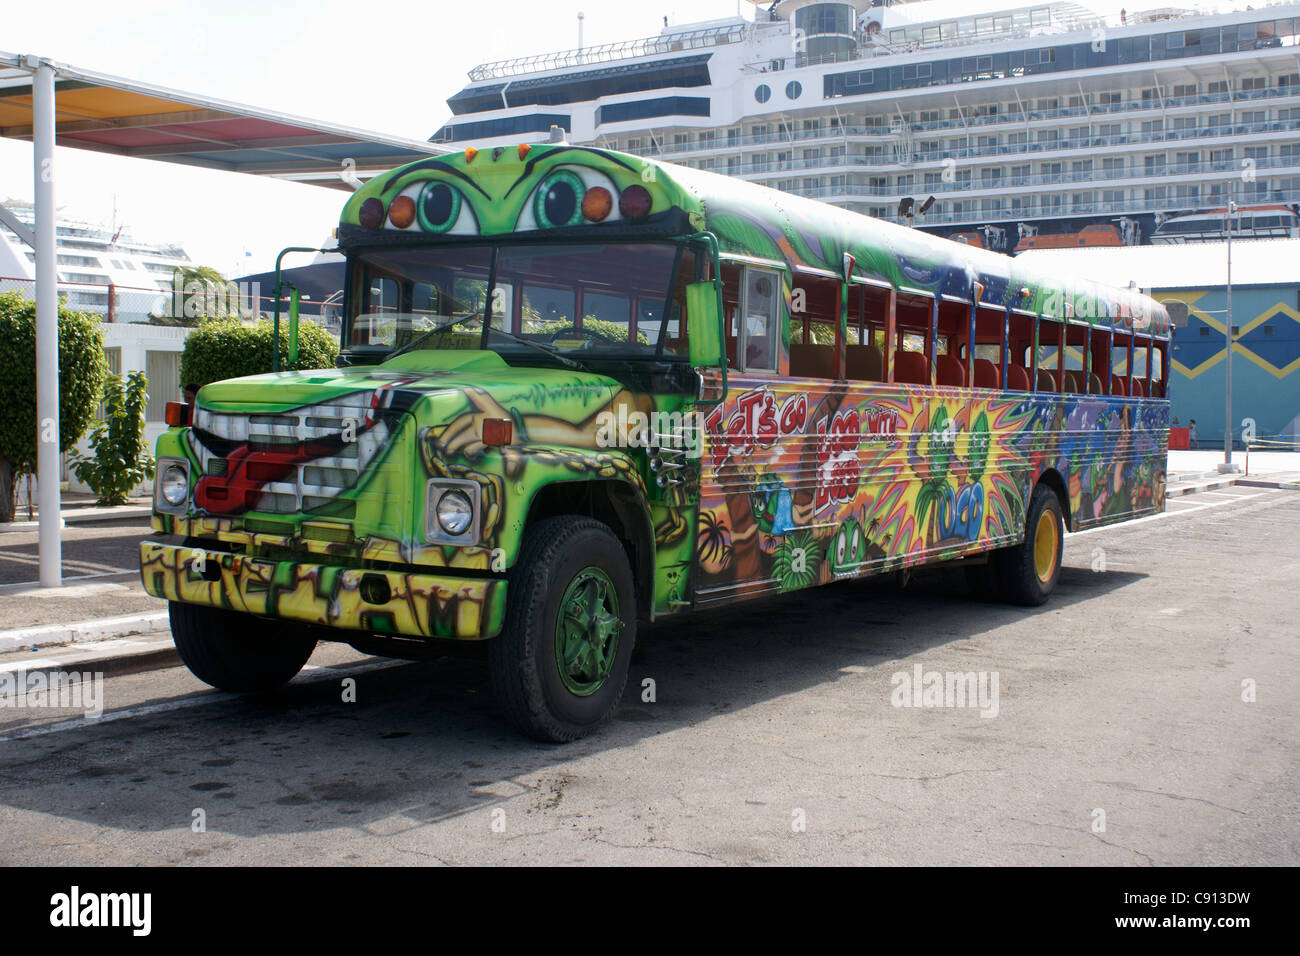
380	65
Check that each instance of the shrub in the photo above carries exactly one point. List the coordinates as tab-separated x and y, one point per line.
222	349
121	458
82	367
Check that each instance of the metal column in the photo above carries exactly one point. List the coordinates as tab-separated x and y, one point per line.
47	328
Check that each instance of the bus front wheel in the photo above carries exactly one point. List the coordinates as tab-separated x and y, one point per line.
560	664
238	652
1028	572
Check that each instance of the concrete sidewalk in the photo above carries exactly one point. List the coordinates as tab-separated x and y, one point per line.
1190	472
82	509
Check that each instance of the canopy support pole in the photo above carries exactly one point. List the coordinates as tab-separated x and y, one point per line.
47	328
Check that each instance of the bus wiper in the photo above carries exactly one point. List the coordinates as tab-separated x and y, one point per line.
550	350
424	336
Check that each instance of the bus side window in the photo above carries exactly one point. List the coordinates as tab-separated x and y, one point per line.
760	315
731	309
1020	333
813	331
864	359
1138	373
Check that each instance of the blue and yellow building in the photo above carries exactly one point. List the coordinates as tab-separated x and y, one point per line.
1192	280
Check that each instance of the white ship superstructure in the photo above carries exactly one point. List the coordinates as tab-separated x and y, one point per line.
1019	120
92	258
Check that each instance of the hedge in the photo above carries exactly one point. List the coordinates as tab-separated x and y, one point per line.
221	349
82	369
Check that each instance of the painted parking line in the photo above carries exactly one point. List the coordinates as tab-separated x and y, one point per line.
1168	514
20	585
196	700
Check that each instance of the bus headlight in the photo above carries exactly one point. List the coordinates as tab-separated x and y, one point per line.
452	511
455	512
172	490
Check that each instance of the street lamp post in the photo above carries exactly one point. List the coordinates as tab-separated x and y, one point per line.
1227	422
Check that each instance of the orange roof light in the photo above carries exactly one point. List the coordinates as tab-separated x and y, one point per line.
523	150
401	212
470	153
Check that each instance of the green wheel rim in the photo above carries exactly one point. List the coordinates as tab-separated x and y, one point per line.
586	633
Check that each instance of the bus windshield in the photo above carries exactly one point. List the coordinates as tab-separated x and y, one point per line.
620	300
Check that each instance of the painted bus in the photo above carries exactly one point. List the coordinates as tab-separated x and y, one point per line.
579	389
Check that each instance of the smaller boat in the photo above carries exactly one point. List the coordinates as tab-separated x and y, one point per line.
1249	222
1098	234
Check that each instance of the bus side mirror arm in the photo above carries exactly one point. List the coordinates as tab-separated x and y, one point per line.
705	329
295	296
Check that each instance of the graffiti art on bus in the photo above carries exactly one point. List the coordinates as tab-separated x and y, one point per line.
873	483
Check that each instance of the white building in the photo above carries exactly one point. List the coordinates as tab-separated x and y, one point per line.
112	274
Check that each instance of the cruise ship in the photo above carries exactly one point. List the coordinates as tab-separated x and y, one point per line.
92	258
1009	126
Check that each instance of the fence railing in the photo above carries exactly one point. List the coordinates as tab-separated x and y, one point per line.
177	307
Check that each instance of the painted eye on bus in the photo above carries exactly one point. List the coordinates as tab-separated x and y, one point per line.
433	206
570	196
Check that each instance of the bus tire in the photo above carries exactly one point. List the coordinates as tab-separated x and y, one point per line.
1028	571
560	664
238	652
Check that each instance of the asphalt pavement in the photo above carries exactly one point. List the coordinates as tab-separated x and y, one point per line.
1145	716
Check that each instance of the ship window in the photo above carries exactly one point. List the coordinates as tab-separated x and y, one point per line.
793	90
763	93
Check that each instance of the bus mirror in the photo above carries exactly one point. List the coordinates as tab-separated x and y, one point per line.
703	324
294	301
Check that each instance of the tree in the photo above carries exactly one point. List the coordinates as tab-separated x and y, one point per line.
121	458
82	367
199	293
222	349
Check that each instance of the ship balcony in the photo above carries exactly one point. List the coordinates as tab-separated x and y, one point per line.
1278	96
1055	211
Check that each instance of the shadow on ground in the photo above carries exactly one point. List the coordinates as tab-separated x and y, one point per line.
426	740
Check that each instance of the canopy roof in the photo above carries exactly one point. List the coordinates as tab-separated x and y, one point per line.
124	117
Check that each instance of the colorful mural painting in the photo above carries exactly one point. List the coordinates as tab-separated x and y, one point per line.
514	316
872	479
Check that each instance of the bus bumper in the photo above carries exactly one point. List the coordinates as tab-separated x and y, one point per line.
416	605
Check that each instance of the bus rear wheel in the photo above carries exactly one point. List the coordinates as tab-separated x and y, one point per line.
1028	572
238	652
560	664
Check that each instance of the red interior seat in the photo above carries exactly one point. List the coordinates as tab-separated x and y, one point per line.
911	368
987	374
949	370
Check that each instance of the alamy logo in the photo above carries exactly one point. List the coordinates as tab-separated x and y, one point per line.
923	688
61	690
77	909
673	431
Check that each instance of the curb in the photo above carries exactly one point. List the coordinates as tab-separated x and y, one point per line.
1197	488
1265	483
132	658
82	632
71	517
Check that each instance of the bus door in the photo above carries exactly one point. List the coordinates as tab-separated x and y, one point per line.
743	459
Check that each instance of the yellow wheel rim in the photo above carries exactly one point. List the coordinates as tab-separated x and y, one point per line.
1046	538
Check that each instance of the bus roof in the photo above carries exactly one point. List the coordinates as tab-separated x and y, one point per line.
581	192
